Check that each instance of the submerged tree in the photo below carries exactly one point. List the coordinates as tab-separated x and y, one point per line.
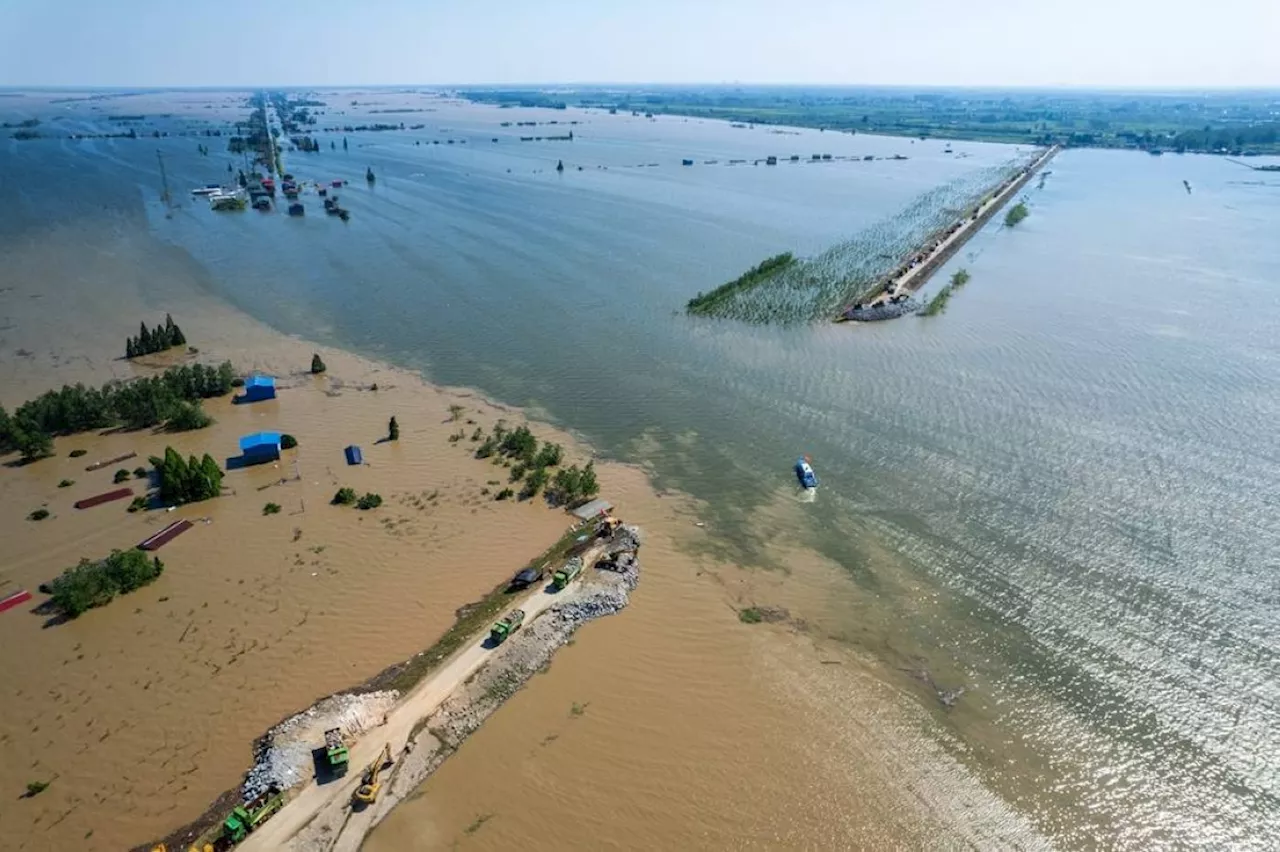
393	430
187	481
91	584
317	366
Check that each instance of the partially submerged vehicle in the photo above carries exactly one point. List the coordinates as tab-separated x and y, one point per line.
506	626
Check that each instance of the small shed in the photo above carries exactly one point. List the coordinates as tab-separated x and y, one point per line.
595	508
354	456
258	388
260	447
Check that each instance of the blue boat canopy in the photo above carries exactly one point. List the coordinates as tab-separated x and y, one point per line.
259	441
804	473
260	382
354	456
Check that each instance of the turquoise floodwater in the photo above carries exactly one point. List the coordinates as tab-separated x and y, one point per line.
1080	456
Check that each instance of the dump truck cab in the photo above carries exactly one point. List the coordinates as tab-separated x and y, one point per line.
248	816
567	574
504	628
335	751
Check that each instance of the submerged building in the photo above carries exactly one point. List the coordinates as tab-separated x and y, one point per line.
258	388
260	447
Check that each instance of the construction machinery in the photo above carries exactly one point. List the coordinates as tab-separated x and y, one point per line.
370	782
607	526
253	813
567	574
504	628
335	751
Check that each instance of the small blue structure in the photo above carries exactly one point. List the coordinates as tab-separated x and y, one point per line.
260	447
354	456
258	388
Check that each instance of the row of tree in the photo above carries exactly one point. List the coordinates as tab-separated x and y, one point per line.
572	485
171	397
92	584
148	342
532	462
187	480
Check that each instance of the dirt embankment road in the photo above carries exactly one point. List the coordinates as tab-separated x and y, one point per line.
316	798
914	278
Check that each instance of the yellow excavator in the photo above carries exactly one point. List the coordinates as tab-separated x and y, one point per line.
367	792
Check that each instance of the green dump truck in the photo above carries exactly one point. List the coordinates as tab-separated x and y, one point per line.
253	813
507	626
335	751
567	574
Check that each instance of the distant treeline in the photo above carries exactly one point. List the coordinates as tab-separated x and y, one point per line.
705	303
1240	123
148	342
507	99
172	397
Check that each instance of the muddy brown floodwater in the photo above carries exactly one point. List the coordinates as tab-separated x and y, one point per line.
672	725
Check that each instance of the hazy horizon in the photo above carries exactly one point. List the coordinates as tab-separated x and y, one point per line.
1143	45
571	85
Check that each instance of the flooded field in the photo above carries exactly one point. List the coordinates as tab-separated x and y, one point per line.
1053	497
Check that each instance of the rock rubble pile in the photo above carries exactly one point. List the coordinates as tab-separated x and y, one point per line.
283	756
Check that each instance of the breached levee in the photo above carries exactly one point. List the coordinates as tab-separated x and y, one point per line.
423	725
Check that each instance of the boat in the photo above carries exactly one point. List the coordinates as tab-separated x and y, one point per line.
208	189
804	473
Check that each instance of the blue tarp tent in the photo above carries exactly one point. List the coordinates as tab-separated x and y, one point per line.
354	455
260	446
257	388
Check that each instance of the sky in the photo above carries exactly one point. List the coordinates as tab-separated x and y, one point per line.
1083	43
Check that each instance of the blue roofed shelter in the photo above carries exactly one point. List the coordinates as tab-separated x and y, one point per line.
258	388
260	447
354	456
